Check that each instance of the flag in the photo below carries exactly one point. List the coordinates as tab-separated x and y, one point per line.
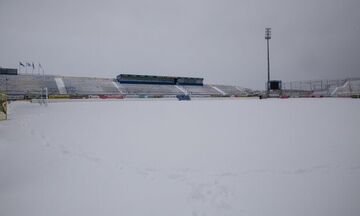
21	64
33	66
40	66
28	64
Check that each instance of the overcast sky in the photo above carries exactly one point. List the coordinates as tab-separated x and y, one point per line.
220	40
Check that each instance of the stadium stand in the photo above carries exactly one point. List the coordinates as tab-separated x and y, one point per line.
29	86
233	90
204	90
162	80
149	89
21	85
89	86
61	86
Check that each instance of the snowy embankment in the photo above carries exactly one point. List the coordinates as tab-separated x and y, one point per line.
231	157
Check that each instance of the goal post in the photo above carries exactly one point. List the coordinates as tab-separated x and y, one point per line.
45	96
3	106
41	96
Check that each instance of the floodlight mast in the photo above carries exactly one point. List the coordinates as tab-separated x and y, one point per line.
267	38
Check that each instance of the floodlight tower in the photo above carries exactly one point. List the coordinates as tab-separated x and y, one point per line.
267	38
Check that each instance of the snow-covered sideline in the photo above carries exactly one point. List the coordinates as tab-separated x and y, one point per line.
135	158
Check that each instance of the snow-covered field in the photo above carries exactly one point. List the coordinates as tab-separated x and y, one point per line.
231	157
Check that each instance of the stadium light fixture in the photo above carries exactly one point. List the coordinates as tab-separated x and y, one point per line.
267	38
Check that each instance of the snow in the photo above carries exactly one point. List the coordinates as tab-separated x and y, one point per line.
201	157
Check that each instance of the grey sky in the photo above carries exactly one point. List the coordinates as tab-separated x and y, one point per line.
222	41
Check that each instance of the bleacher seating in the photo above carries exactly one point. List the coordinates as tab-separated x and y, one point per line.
89	86
204	90
29	85
25	84
148	89
233	90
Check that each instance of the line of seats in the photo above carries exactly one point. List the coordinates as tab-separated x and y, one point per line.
24	84
231	90
149	89
201	90
88	86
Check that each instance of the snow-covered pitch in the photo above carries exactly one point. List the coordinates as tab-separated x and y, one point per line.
167	158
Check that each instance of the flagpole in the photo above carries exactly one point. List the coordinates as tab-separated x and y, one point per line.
19	68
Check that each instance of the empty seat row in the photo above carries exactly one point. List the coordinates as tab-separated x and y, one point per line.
24	84
148	89
201	90
88	86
